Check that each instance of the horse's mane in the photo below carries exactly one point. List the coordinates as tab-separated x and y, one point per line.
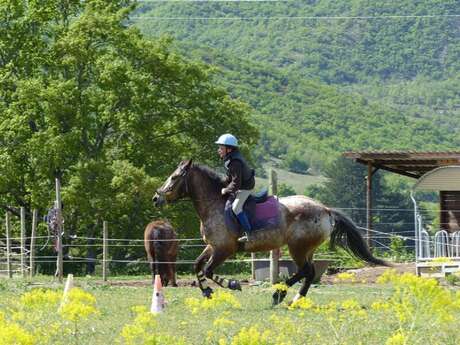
214	177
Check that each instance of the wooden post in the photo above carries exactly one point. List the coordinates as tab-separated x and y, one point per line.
275	253
253	266
60	261
369	203
8	244
104	249
23	241
32	242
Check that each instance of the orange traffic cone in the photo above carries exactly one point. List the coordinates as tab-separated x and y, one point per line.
158	299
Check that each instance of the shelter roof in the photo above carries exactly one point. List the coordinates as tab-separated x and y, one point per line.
408	163
440	179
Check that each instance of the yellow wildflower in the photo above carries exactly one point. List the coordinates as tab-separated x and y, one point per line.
301	303
346	277
396	339
280	287
221	299
78	305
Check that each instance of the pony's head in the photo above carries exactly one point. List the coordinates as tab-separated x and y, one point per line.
175	186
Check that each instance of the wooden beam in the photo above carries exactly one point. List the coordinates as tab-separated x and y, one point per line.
369	202
383	167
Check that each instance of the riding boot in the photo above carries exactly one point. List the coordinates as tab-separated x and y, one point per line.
244	221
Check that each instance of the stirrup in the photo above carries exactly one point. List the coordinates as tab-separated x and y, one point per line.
244	238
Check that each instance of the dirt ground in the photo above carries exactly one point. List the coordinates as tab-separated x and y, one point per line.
366	275
369	275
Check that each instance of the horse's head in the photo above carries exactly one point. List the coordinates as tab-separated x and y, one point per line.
175	186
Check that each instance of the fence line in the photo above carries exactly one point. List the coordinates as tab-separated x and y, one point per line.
108	243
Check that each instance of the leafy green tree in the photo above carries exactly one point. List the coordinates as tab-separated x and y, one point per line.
285	190
346	189
94	103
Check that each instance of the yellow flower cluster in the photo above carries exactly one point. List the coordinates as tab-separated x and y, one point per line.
442	260
346	277
143	330
250	336
220	299
417	300
280	287
13	334
34	317
79	305
40	298
301	303
223	321
396	339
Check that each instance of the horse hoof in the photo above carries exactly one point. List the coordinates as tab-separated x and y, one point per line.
234	285
207	292
278	297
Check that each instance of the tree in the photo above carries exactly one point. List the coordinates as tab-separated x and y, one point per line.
103	109
346	189
285	190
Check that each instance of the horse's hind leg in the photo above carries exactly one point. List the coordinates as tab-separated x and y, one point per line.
309	273
306	271
152	267
172	271
302	254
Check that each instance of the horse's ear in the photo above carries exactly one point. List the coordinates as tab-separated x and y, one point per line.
187	163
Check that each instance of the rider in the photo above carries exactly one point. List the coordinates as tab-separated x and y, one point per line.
240	179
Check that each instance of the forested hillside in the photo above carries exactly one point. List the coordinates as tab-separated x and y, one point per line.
327	85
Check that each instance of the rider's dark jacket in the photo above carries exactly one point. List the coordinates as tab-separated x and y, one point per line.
239	174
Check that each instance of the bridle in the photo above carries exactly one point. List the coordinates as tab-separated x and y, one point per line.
184	175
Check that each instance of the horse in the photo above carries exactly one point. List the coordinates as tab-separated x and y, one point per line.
161	247
304	225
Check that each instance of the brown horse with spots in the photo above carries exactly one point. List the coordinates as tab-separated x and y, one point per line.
161	247
305	224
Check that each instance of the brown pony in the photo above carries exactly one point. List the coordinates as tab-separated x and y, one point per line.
305	224
161	247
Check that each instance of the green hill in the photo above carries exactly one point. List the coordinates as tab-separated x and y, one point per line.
319	87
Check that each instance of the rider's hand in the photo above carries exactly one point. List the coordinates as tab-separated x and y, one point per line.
223	191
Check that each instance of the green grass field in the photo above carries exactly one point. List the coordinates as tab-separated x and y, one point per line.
297	181
343	313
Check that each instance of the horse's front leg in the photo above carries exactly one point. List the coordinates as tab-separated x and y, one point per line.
199	268
203	271
218	257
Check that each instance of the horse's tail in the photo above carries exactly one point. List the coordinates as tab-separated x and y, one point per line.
149	246
153	236
346	235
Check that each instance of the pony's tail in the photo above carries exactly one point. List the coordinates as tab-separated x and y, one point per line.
346	235
157	245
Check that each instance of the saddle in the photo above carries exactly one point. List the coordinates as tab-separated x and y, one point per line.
262	211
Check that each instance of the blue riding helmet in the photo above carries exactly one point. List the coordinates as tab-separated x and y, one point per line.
227	140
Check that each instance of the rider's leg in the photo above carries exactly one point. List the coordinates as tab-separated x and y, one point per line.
237	207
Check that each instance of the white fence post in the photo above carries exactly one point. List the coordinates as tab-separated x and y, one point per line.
105	236
60	260
32	242
275	253
8	244
23	242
